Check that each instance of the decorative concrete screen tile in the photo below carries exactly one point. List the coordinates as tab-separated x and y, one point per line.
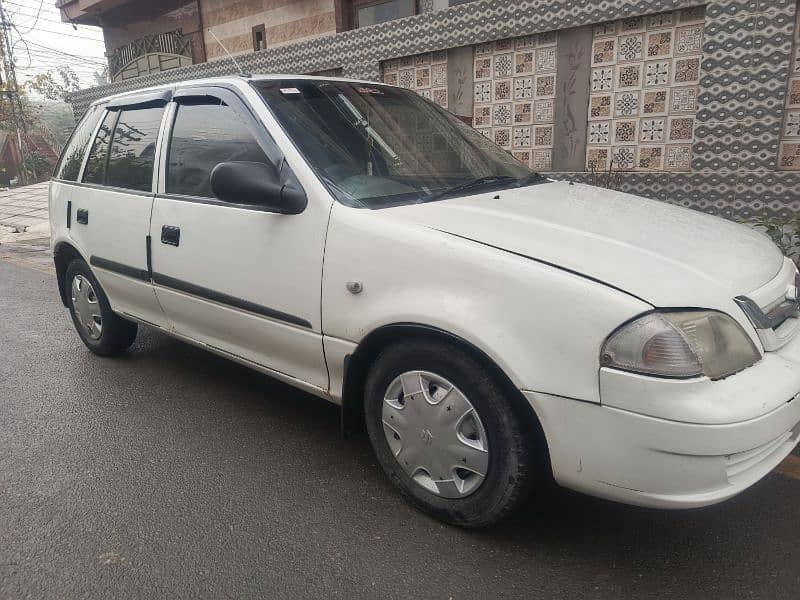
515	89
645	73
425	73
789	153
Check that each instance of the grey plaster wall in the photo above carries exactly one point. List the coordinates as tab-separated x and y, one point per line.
572	99
460	76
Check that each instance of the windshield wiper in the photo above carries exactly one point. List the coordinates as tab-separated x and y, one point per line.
471	185
531	179
488	180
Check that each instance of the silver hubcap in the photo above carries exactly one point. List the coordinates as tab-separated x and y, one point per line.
435	434
86	307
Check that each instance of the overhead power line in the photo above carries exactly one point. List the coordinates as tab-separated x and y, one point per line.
55	55
46	53
49	13
66	34
67	54
50	8
50	62
38	14
58	61
56	20
86	28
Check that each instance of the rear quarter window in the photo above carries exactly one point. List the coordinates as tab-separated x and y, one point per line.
69	166
95	171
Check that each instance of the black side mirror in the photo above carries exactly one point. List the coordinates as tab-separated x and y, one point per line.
257	184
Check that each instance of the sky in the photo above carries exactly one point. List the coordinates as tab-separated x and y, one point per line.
41	42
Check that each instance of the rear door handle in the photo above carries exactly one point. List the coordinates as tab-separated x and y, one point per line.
170	235
82	216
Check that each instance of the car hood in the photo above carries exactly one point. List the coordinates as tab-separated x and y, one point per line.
663	254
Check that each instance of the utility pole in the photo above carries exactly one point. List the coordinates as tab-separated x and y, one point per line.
10	90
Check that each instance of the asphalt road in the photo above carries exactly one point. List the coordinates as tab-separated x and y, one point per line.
171	473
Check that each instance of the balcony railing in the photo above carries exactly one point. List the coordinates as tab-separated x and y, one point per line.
172	42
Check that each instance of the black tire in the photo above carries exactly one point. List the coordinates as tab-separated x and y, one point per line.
513	455
117	334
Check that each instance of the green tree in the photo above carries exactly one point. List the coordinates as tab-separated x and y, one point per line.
54	85
35	165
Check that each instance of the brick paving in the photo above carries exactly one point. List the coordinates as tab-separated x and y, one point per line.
21	208
24	234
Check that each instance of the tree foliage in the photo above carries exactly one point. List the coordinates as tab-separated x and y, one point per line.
16	113
54	85
784	232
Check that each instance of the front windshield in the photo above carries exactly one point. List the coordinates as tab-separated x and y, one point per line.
377	146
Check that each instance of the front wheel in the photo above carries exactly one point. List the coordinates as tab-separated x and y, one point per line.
446	434
101	329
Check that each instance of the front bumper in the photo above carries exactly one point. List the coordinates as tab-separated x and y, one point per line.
647	461
675	443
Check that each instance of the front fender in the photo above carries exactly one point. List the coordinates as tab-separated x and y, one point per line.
541	325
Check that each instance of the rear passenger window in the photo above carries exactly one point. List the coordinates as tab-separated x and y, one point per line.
95	171
203	136
69	166
133	149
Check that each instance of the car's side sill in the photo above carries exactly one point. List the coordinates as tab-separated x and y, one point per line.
280	376
232	301
119	268
195	290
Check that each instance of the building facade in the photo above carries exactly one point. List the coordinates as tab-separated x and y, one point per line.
149	36
696	103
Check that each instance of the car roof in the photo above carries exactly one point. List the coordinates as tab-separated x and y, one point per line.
228	79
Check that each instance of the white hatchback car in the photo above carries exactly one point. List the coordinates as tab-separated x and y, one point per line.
489	326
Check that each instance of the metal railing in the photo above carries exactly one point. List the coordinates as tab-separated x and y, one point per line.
172	42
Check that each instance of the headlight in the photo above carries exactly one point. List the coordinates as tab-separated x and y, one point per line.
680	344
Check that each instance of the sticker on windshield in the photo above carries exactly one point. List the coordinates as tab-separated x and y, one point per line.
291	90
369	90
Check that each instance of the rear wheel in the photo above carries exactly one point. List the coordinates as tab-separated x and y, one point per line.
103	331
446	434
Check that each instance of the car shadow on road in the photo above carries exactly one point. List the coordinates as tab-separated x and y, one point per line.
560	524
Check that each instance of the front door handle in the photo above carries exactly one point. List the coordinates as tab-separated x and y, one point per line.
170	235
82	216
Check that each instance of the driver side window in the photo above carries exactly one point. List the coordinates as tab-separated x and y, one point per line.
204	135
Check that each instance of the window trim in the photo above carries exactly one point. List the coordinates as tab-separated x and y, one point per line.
164	135
139	100
108	188
213	202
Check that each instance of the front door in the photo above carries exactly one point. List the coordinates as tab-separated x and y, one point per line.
110	208
241	280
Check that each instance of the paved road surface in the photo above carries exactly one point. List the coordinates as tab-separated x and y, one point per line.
171	473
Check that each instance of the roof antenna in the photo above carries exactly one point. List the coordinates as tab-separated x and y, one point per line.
235	62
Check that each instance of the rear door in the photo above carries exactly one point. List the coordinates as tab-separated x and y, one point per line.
110	209
235	277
